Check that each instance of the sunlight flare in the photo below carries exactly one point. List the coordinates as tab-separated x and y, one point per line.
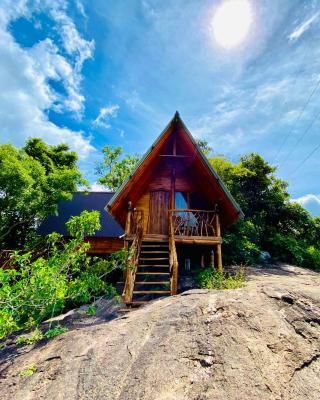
231	22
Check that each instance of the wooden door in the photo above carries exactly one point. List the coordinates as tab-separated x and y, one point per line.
158	212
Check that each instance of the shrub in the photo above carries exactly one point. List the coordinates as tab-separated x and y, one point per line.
55	331
39	289
210	278
29	370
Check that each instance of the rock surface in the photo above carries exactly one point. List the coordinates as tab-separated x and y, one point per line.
258	342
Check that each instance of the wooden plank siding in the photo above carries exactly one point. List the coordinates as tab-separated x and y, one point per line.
104	245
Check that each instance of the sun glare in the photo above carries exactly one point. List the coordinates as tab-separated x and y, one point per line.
231	22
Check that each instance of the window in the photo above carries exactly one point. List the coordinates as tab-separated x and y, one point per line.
197	201
181	200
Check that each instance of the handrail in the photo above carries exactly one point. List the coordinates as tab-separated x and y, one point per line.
191	222
173	258
133	259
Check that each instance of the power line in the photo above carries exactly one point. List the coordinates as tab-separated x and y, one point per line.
304	160
302	136
297	119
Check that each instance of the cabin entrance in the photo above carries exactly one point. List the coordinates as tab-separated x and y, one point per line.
158	212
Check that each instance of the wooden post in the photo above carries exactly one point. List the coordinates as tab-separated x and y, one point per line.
128	221
218	228
127	232
219	257
212	259
202	261
219	252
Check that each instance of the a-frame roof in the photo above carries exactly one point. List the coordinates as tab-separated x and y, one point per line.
233	209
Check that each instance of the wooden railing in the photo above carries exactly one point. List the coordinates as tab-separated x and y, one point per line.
133	257
173	260
136	216
188	222
6	259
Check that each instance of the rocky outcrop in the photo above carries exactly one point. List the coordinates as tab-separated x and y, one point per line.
258	342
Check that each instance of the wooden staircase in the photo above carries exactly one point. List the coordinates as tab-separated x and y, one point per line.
152	279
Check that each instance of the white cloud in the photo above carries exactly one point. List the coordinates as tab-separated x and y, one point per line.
301	29
310	201
105	114
303	200
25	74
96	187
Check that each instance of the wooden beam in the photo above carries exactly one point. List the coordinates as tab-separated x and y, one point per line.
219	257
206	240
174	155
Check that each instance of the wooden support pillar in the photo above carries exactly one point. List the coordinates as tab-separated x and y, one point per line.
128	221
219	257
127	232
202	261
212	259
219	252
218	228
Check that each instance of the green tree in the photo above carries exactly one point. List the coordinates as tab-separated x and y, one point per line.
272	222
41	288
32	182
114	169
204	146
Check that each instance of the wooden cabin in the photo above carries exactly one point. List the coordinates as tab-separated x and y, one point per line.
107	240
173	204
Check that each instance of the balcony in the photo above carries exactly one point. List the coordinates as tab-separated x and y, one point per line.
195	226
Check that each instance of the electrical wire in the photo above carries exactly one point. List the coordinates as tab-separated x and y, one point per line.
302	136
305	159
297	119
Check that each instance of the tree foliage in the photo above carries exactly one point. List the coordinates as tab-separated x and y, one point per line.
37	289
272	222
32	182
114	169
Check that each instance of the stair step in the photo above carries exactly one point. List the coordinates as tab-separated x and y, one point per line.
152	273
151	292
153	265
154	252
138	302
154	245
153	283
155	259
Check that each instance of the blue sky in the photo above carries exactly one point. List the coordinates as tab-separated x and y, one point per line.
91	73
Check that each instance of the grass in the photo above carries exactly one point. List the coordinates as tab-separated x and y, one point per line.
37	335
209	278
29	370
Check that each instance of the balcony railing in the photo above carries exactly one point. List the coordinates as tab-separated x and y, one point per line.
188	222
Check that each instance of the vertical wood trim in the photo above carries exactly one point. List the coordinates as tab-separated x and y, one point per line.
219	258
174	146
128	221
218	228
173	189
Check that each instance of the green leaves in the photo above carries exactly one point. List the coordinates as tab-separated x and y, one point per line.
272	223
32	182
210	278
40	288
114	171
85	224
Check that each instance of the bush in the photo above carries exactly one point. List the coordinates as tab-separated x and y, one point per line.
39	289
210	278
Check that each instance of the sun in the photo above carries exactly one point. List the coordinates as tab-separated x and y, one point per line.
231	22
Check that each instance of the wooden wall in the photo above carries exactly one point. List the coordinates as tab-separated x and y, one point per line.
104	245
161	180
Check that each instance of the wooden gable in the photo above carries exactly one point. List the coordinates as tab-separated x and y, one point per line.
174	152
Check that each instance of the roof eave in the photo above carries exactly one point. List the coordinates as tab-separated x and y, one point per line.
146	154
